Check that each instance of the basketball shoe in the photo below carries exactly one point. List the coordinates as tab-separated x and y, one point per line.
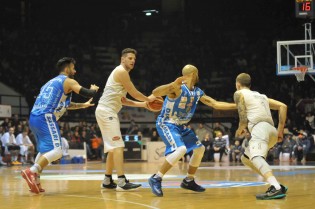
127	186
30	180
111	185
192	185
271	193
284	189
37	178
156	185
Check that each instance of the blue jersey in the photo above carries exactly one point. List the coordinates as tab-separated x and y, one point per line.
180	110
52	99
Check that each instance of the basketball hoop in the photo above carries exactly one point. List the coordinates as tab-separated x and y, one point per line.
300	72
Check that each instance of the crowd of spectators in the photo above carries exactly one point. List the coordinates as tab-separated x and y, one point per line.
221	43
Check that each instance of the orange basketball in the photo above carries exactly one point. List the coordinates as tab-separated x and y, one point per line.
156	105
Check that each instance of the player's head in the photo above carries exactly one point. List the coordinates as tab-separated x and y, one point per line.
191	72
66	65
243	80
128	58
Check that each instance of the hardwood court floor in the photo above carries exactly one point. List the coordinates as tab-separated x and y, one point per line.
228	186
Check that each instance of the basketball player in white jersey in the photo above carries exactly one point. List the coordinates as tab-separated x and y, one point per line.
114	96
254	113
178	109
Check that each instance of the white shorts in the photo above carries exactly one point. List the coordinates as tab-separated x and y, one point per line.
108	122
264	137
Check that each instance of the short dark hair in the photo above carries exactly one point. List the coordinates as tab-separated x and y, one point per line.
64	62
128	50
244	79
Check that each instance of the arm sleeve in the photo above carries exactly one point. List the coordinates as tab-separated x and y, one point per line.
87	92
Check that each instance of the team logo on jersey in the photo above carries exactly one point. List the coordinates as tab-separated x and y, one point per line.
183	99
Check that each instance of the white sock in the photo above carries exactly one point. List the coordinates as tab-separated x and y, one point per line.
158	174
190	177
106	180
35	168
273	181
121	181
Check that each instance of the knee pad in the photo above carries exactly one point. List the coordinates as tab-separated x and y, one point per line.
176	155
53	155
197	156
261	164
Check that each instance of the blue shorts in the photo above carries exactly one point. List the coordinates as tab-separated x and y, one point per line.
177	135
46	131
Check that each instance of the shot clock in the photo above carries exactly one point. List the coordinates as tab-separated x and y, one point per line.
304	9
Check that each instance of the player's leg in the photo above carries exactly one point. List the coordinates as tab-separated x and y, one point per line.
175	150
113	142
47	133
192	143
263	136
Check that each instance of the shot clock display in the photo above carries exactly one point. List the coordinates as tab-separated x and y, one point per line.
304	9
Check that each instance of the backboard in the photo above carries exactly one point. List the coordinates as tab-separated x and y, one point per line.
296	53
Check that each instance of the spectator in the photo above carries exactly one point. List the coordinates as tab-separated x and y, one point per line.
87	141
246	139
26	147
219	145
155	137
207	143
302	147
201	131
237	151
217	128
11	148
76	142
97	144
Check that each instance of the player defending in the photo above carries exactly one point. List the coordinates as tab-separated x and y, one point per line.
114	96
254	113
53	100
178	108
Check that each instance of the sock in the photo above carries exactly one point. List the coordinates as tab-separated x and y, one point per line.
107	179
121	180
158	174
273	181
35	168
189	177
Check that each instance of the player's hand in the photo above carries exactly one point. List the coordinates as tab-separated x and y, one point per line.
180	80
123	100
239	132
280	136
94	87
151	98
88	103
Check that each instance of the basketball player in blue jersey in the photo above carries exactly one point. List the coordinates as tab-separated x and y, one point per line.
53	100
254	113
178	108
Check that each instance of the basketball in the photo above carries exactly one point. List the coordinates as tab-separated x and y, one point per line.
156	105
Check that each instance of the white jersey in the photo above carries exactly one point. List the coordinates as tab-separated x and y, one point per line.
113	92
257	108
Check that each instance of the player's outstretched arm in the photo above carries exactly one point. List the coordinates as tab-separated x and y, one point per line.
122	76
72	85
241	108
172	90
131	103
216	104
75	106
282	109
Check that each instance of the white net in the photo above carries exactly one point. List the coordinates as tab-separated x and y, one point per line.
300	73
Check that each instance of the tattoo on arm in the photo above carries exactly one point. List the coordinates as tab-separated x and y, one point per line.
240	102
